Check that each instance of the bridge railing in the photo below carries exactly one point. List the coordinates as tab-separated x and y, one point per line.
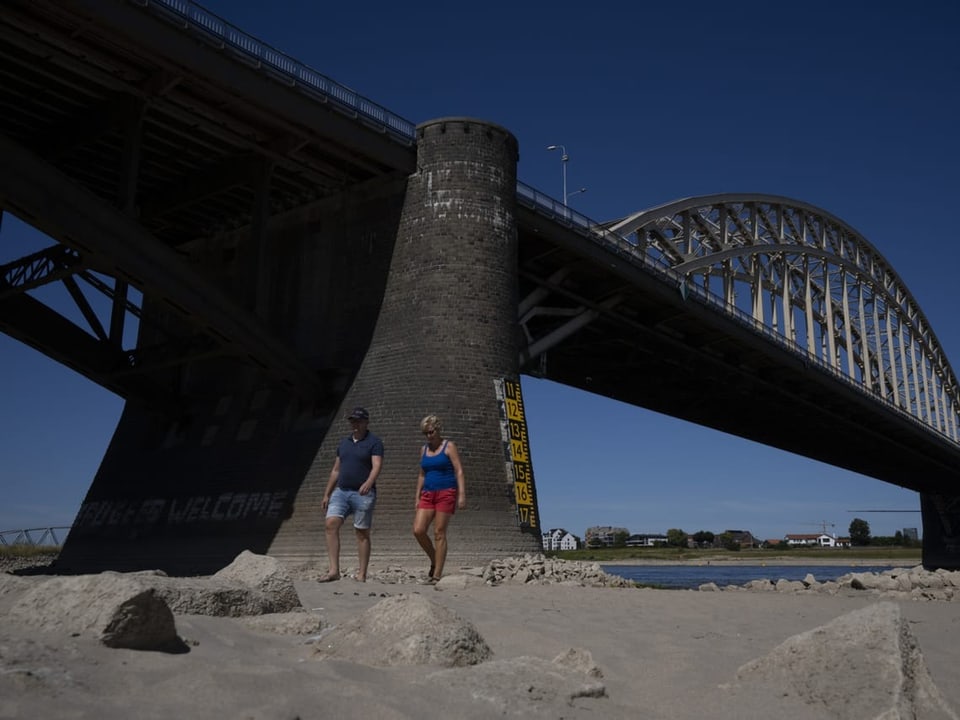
622	247
281	66
35	537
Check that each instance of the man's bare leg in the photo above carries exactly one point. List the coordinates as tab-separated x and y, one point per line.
332	529
363	550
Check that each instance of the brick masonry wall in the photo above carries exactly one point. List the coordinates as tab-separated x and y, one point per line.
410	287
446	330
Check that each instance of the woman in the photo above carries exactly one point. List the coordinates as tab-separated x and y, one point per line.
440	491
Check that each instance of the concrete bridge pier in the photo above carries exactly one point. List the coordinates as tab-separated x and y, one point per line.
446	332
404	293
941	530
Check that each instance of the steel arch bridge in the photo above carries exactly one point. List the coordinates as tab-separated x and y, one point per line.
807	279
756	315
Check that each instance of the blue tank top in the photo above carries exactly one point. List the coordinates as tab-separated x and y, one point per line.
438	471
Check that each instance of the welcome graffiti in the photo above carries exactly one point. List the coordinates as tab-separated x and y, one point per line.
225	507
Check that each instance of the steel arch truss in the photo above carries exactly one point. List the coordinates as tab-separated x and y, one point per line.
812	281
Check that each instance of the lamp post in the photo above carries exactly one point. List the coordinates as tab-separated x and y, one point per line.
563	164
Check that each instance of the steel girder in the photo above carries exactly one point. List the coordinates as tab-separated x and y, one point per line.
179	126
808	279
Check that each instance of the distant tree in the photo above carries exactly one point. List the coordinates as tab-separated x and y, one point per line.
729	542
620	538
859	532
676	537
703	538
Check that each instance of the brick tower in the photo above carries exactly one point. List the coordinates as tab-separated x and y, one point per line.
447	330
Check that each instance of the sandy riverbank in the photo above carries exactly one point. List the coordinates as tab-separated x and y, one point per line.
660	654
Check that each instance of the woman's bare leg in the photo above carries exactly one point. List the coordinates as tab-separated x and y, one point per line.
440	543
421	531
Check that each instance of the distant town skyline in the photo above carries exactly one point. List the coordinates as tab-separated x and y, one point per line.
825	529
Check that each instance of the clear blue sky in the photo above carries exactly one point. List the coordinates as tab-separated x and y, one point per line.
853	107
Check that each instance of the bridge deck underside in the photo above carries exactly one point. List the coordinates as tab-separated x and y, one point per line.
650	347
177	137
94	87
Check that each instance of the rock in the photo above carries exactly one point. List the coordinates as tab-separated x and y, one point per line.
579	660
118	610
287	623
251	585
459	581
523	686
783	585
407	630
865	664
265	574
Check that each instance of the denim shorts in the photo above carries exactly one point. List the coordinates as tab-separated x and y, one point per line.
350	502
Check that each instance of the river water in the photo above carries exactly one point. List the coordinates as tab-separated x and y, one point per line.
692	576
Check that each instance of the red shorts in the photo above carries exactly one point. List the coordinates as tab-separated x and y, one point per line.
444	501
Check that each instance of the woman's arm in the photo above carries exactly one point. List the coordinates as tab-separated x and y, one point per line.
454	456
416	500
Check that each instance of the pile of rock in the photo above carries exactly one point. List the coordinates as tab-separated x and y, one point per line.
914	583
136	610
12	561
549	571
529	568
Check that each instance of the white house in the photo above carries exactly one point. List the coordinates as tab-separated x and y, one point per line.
810	540
559	539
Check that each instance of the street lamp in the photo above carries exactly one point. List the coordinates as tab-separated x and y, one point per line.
564	158
563	164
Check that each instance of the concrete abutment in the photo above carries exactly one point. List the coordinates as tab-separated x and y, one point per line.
408	291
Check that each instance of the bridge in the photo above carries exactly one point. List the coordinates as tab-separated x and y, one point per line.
264	230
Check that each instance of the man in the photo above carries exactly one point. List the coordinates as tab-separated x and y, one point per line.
352	490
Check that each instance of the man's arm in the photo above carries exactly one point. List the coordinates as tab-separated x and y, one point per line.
331	483
376	462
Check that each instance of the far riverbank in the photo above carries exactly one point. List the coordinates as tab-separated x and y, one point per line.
851	557
772	560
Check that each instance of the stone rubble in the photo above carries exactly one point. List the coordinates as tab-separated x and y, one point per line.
914	583
519	570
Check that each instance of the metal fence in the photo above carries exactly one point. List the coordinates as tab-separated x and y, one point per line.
222	35
35	537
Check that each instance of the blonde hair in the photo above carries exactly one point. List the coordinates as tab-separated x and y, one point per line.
431	421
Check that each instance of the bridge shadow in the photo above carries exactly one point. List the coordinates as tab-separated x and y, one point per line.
187	496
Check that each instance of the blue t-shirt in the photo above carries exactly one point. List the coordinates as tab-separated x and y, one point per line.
438	471
356	460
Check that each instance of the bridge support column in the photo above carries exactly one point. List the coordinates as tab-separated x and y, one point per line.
447	330
941	531
409	289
